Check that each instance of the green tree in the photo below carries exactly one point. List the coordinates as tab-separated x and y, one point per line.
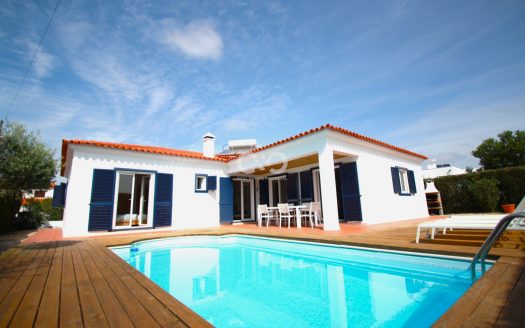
25	163
506	151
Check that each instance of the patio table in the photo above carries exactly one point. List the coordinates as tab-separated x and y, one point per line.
296	208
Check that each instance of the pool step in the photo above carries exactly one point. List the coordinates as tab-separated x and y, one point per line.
468	232
461	236
448	241
505	241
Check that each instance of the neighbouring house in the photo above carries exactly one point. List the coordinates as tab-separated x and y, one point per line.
114	187
37	194
434	170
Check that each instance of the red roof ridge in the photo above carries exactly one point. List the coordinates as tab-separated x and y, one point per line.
342	131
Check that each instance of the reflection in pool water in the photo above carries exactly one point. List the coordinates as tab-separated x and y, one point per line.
255	282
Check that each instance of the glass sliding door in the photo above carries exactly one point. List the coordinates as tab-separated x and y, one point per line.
316	177
132	208
278	191
237	200
140	201
243	200
247	200
124	193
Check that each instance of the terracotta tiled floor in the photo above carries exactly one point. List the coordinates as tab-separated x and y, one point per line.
43	235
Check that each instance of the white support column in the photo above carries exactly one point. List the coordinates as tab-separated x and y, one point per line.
328	189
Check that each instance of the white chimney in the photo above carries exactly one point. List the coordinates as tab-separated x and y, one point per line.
208	146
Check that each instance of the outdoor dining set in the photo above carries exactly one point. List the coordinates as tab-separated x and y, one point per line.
282	214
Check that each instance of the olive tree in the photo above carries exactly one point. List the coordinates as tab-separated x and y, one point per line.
25	163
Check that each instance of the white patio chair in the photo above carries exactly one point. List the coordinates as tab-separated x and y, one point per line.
263	213
315	209
285	213
307	214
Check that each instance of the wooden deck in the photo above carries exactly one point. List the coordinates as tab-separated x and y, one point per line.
82	283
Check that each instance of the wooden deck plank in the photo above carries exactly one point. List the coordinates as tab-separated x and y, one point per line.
70	314
92	313
10	303
116	315
8	255
14	269
158	310
27	310
49	308
488	311
510	316
178	308
136	312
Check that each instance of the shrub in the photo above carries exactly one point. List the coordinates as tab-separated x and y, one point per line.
475	192
38	211
485	194
28	220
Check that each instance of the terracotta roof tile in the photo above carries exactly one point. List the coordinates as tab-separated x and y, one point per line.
137	148
224	158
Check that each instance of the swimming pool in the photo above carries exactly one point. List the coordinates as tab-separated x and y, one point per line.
240	281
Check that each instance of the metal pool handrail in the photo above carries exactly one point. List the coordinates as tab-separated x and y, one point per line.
482	253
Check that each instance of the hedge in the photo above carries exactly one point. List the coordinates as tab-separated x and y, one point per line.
482	191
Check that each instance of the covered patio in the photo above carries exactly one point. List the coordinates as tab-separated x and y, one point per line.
345	173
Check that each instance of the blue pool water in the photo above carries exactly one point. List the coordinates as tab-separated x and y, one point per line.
237	281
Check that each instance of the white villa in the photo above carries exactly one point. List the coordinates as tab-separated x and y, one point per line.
114	187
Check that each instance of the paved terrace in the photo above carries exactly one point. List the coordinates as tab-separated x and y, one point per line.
50	282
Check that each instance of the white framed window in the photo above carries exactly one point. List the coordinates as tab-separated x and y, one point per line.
200	183
403	181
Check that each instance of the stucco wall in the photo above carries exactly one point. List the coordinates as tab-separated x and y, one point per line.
190	209
379	203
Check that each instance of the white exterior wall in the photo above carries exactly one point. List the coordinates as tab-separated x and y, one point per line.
379	203
190	209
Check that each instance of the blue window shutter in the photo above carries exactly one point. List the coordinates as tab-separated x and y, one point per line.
59	195
306	186
102	198
292	187
226	200
395	180
264	194
211	182
411	182
350	197
163	200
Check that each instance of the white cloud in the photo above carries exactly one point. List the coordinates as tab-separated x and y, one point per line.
75	33
186	111
198	39
260	110
158	98
105	71
44	63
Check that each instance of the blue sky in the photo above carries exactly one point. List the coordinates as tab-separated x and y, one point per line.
436	77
